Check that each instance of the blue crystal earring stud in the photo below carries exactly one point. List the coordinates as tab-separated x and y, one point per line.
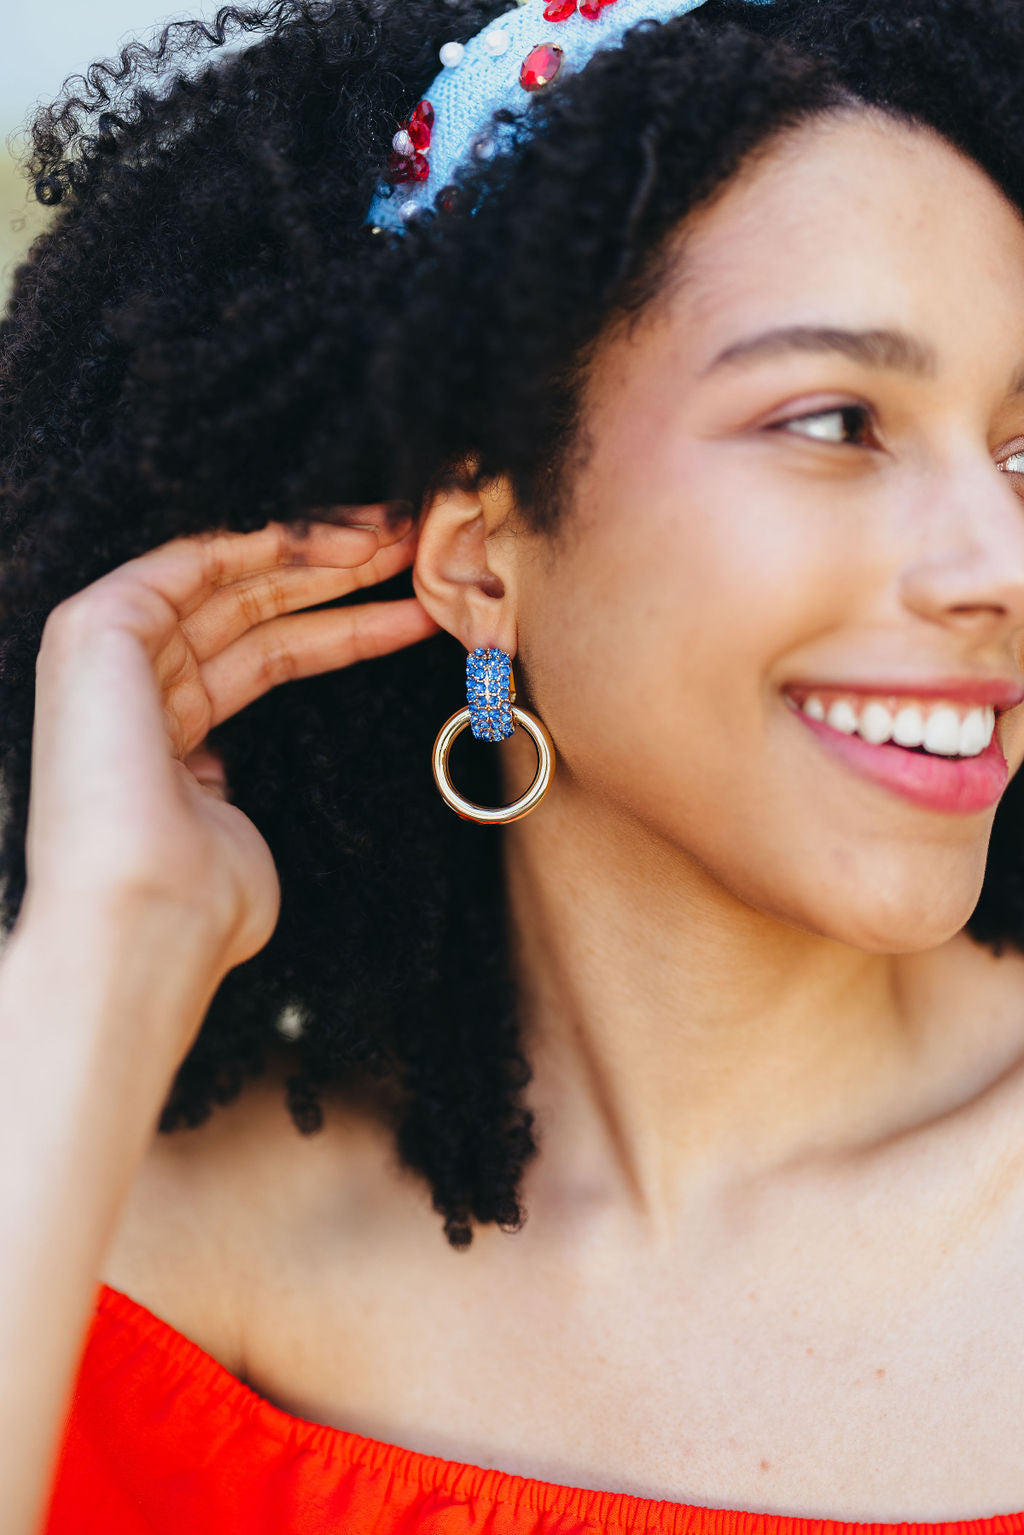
492	714
488	697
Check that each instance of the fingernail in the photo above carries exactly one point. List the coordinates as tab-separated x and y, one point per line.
399	511
368	527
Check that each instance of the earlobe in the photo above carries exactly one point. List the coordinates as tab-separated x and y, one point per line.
464	572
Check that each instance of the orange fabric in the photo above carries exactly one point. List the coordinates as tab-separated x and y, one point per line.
161	1439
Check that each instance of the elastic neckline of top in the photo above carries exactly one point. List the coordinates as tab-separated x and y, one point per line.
609	1511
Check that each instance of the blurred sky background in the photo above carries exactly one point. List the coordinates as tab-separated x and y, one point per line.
41	42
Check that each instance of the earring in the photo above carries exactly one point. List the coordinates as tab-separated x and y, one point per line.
492	714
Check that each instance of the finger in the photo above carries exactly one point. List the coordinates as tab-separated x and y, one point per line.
232	610
306	644
389	518
186	571
207	768
227	557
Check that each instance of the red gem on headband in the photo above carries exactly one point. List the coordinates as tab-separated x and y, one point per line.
414	167
540	66
409	161
561	10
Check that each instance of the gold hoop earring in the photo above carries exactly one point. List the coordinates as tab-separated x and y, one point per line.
492	714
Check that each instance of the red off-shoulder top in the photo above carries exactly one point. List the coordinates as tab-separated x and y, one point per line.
161	1439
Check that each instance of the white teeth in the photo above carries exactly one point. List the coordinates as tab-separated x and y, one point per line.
942	732
875	724
976	731
842	716
908	727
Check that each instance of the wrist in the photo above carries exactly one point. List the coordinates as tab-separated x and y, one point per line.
122	928
122	971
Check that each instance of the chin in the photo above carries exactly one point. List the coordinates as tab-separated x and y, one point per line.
868	892
908	918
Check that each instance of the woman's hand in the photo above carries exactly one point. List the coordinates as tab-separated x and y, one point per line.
137	668
144	888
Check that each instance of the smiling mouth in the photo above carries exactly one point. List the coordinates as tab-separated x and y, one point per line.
949	760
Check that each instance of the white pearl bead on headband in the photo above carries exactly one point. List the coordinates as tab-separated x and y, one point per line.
503	66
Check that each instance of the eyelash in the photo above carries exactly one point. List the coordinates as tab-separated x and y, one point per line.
863	415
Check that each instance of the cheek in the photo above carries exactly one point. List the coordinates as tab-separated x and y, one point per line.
681	591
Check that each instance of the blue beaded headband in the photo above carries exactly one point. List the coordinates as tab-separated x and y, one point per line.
512	58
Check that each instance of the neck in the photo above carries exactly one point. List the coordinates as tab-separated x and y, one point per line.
679	1037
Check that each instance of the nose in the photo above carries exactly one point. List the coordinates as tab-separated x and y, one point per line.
966	571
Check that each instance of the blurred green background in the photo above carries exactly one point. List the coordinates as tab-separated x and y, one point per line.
40	45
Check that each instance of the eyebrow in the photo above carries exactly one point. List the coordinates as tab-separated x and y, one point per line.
892	349
895	350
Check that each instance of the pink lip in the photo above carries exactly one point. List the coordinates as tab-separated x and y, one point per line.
956	785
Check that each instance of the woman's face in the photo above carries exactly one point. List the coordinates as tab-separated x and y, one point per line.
833	515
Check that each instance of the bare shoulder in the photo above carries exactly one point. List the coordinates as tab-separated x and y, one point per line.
212	1209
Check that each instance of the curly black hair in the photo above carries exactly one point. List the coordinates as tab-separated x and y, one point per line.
210	336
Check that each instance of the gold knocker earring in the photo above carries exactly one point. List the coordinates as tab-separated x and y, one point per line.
493	714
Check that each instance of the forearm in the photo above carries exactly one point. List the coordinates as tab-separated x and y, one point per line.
96	1012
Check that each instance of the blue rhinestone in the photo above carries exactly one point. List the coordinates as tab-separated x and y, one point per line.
488	678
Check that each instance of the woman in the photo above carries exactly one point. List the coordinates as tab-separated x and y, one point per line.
705	387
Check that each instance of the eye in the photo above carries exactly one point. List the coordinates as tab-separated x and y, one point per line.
839	424
1014	464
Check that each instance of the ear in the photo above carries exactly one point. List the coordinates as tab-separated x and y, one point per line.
465	569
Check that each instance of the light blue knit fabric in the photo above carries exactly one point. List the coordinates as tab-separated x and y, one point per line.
465	96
